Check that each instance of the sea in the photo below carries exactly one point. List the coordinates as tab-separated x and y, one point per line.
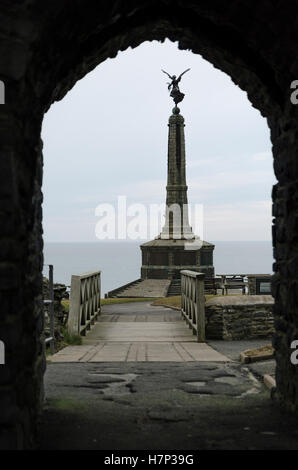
120	261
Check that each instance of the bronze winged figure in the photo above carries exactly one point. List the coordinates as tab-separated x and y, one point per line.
174	86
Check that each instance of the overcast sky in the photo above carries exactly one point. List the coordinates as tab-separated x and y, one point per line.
108	138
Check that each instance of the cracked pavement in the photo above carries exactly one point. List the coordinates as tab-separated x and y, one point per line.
168	406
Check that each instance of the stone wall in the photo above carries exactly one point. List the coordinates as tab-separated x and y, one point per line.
252	288
60	313
44	51
239	317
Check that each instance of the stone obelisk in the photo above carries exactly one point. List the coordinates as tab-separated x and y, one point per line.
177	222
176	247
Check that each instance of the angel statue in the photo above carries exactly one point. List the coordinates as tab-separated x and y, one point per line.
176	94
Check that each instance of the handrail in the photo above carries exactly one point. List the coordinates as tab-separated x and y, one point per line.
85	303
193	302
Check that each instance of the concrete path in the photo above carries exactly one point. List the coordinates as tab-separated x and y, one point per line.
139	332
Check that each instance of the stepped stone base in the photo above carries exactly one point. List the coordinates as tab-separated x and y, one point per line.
175	288
146	288
164	259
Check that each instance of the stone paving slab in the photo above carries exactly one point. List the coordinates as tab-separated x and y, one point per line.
139	352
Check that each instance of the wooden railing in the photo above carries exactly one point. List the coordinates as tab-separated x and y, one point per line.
193	302
84	302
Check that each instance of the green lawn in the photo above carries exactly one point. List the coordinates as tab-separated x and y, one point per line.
174	301
123	300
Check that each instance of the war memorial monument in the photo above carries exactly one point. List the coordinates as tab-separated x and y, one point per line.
176	247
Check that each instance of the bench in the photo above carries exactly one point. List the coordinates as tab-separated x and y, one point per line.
211	284
233	282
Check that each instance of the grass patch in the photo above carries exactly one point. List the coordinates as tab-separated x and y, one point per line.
174	301
118	300
67	405
73	340
65	304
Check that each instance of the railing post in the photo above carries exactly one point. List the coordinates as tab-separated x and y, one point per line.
200	301
193	302
74	318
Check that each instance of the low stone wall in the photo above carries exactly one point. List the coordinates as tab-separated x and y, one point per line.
239	317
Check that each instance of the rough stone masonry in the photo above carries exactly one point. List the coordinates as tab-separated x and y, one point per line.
239	317
45	48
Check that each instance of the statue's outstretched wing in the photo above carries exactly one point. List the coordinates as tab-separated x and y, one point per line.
167	74
179	78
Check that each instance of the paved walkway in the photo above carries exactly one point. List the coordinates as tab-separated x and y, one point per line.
139	332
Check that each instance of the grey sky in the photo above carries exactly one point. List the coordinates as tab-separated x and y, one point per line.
108	137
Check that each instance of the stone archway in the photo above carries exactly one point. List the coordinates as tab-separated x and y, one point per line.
44	51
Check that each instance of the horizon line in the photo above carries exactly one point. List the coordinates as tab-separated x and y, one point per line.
142	241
